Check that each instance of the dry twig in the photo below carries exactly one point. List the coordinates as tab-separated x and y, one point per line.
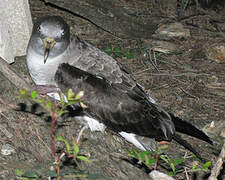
219	164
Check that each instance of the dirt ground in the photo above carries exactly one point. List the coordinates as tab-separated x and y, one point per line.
186	83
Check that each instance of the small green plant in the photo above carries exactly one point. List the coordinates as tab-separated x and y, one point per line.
39	174
144	157
56	109
151	160
42	173
118	53
147	157
196	166
74	152
173	163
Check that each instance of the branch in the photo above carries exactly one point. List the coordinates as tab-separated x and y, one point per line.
9	74
218	166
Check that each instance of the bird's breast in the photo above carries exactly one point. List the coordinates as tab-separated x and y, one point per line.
42	73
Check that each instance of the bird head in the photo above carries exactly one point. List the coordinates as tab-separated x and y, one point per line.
50	37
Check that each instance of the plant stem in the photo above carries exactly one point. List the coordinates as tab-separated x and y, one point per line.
156	162
53	116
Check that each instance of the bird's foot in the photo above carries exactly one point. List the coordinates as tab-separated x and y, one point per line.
163	142
44	89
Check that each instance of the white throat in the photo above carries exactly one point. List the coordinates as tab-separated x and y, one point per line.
43	74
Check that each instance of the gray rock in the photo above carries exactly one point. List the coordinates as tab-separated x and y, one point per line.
171	31
156	175
7	150
15	28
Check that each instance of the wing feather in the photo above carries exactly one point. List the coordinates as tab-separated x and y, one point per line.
96	62
117	105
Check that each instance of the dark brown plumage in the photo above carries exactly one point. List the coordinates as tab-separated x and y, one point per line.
124	108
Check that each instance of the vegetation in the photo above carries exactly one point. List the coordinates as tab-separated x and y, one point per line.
71	151
56	110
117	52
152	159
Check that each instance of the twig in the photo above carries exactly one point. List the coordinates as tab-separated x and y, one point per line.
176	75
186	173
218	166
6	104
80	133
142	71
39	137
188	93
5	132
154	63
54	118
1	113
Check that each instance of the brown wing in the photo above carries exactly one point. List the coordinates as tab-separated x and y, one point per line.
90	59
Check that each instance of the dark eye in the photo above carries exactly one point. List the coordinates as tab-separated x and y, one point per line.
63	33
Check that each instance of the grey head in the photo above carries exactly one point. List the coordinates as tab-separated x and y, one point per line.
50	36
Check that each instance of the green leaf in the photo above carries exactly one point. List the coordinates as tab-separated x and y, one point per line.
59	138
148	153
70	94
134	153
117	51
151	161
129	55
76	149
171	173
83	158
68	148
23	92
71	102
206	165
172	167
61	112
163	147
34	94
30	174
142	155
146	158
108	50
79	95
50	173
40	101
19	172
178	161
180	170
165	158
194	165
62	99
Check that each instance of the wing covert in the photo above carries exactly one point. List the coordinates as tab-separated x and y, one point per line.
117	109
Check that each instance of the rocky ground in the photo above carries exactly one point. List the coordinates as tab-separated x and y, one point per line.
188	82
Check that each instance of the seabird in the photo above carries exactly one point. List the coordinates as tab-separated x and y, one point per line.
58	60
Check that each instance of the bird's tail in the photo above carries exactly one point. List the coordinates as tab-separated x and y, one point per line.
185	144
186	128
